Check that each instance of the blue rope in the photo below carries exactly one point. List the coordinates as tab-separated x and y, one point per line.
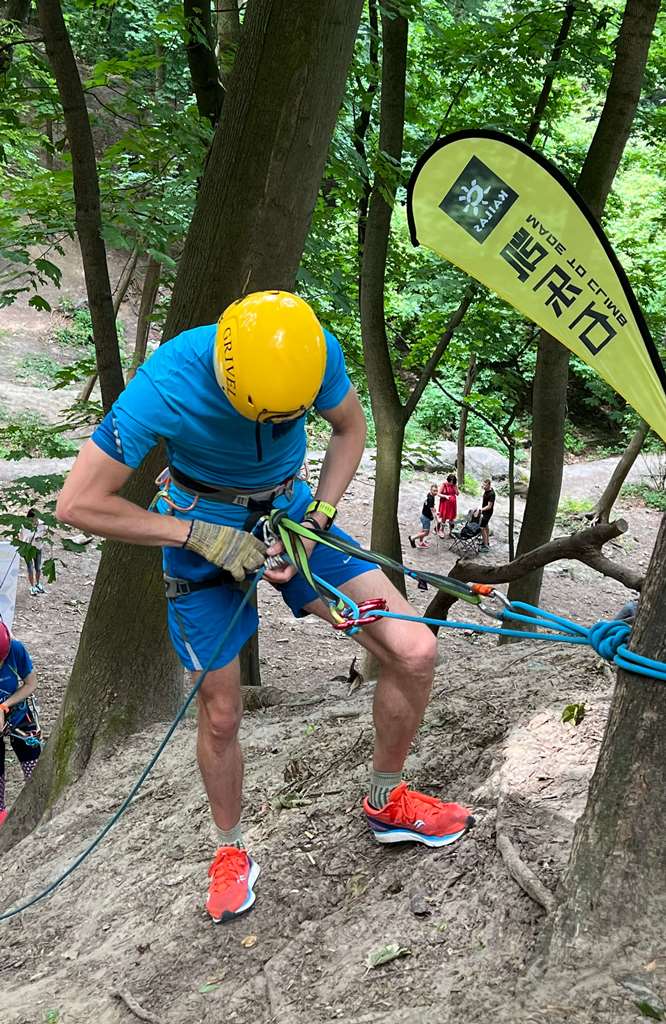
149	767
606	637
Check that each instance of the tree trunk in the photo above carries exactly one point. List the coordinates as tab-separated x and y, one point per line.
550	381
512	497
256	202
615	886
462	426
361	125
547	87
387	410
228	36
119	294
48	151
151	283
200	47
86	195
18	11
267	157
385	532
603	507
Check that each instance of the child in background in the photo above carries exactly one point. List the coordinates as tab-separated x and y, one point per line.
34	535
427	516
17	721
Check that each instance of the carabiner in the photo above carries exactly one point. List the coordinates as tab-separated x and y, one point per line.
487	590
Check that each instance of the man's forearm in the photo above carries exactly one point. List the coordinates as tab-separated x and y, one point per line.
116	518
340	464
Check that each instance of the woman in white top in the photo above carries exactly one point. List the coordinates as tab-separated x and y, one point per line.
34	535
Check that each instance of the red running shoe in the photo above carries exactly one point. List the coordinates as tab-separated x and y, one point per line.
232	875
409	816
3	817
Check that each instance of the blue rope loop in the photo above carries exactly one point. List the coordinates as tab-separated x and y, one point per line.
606	638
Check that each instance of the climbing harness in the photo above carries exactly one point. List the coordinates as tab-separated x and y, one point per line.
608	639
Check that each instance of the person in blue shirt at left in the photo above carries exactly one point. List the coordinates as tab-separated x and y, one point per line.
230	400
17	684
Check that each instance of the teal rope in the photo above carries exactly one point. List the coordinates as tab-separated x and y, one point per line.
605	637
149	767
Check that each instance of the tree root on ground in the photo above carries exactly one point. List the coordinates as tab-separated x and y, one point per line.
523	875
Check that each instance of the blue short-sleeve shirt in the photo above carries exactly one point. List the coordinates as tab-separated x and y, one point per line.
16	667
175	396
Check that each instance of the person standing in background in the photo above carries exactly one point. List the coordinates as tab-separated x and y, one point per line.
34	535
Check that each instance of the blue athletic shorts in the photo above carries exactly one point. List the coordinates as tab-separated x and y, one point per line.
198	620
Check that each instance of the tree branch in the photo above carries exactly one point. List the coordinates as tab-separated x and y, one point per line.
583	546
440	349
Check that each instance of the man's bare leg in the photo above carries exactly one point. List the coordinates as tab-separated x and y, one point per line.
218	750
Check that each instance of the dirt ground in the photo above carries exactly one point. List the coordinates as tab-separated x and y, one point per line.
128	934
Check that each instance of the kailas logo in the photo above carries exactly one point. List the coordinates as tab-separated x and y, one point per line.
478	199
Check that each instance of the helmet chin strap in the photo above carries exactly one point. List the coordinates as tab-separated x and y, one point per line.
266	416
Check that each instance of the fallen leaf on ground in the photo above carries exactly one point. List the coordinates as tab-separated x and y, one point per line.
249	941
384	954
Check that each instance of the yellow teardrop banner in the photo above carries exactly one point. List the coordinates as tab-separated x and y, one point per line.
506	216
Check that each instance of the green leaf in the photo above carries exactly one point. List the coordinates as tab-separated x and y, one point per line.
71	545
50	269
51	1016
574	713
40	303
650	1011
209	986
49	570
384	954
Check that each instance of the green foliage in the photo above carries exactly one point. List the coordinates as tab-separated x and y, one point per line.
573	443
472	486
651	496
77	333
28	436
571	510
37	369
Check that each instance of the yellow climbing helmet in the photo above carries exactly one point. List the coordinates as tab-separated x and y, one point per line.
270	355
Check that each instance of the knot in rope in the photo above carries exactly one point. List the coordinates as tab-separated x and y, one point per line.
607	638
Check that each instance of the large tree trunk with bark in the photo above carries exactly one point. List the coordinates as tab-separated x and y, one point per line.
248	232
602	509
87	201
615	887
550	382
267	158
387	410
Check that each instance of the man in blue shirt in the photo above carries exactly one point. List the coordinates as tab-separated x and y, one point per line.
17	684
230	402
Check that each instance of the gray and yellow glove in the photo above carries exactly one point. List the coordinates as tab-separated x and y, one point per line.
234	550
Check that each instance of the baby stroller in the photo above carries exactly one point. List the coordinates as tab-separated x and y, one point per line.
466	538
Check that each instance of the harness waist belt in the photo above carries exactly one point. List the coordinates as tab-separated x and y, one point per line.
174	586
230	495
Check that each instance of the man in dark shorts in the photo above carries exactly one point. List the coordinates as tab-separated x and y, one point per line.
486	511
